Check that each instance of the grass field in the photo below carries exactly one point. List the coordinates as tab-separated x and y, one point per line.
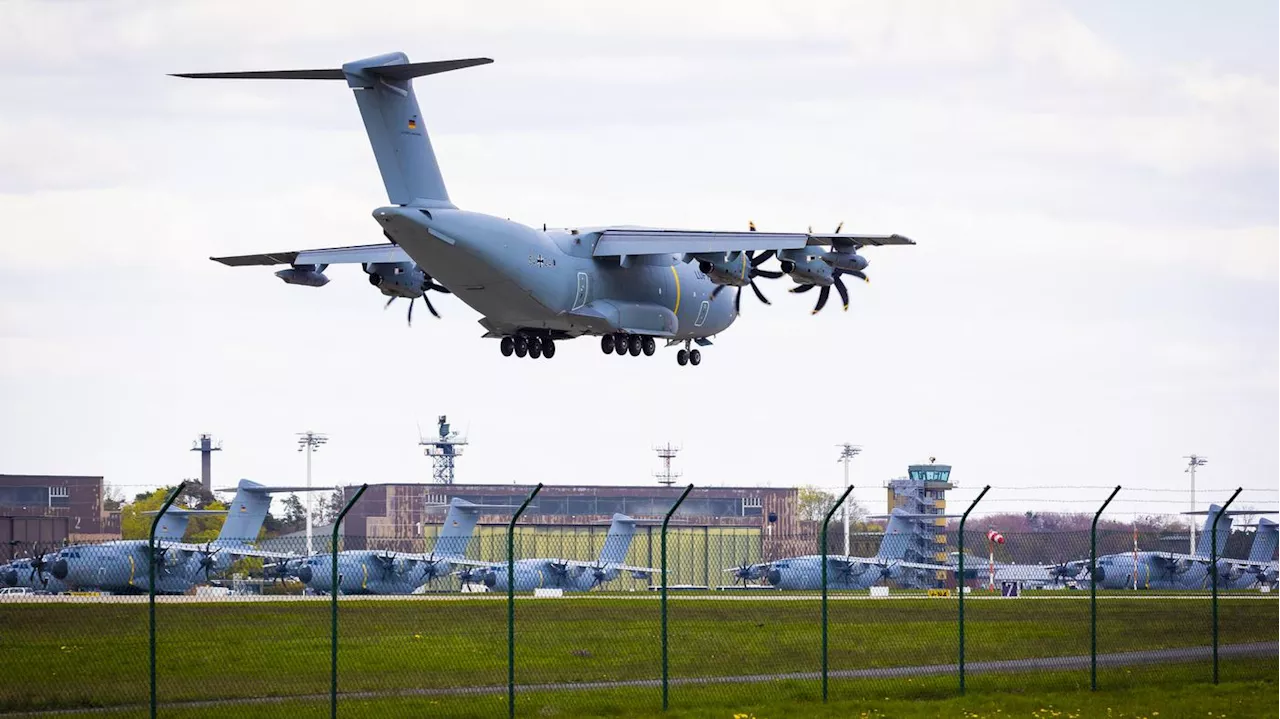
67	656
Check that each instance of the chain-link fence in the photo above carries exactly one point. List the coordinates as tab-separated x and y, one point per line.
473	618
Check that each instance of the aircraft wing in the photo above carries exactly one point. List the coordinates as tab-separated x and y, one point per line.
871	561
607	565
634	241
233	551
358	254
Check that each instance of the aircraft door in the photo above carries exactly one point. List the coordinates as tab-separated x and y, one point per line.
580	298
703	309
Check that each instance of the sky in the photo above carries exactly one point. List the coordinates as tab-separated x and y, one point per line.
1093	188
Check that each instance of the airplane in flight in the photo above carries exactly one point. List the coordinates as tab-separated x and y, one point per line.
630	286
845	572
122	566
567	574
376	572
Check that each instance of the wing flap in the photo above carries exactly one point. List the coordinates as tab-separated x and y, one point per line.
357	254
616	243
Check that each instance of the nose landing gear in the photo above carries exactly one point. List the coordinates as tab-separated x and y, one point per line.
689	356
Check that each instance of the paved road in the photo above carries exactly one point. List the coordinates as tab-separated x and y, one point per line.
1118	659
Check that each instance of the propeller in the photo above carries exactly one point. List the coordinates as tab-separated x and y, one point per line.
755	272
206	560
1063	571
745	571
37	567
428	285
825	292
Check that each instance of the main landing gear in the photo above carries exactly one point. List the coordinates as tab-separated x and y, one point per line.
531	346
689	356
624	344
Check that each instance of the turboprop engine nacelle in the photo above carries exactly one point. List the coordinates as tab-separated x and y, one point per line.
847	261
806	267
305	275
734	270
396	279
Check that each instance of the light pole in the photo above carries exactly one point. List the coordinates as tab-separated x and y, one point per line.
1193	461
310	441
847	452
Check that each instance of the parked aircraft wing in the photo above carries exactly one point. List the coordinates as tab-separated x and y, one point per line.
234	551
607	565
633	241
358	254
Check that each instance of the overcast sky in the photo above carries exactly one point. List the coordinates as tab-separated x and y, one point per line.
1093	187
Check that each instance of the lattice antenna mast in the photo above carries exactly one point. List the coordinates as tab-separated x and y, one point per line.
847	453
443	449
667	476
1193	461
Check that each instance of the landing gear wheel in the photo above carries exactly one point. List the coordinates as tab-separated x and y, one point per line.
649	346
635	345
606	344
521	346
548	348
507	345
695	357
620	343
535	347
682	357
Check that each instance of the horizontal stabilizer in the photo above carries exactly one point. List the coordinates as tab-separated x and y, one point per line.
179	510
392	72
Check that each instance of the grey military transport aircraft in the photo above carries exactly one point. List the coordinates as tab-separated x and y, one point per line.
630	286
123	566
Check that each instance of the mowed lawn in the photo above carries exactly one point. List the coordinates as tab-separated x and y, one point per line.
62	655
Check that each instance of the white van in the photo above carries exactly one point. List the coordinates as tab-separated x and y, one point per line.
12	591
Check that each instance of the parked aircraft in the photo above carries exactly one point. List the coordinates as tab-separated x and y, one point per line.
377	572
1260	567
1167	570
630	286
122	566
845	572
566	574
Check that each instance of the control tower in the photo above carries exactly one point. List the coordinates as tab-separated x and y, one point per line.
924	491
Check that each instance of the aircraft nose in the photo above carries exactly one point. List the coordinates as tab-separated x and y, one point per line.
59	569
1100	573
773	577
490	579
304	574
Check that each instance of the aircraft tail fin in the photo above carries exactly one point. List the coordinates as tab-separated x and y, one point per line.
173	525
618	541
459	524
1265	540
897	536
248	510
1204	542
384	93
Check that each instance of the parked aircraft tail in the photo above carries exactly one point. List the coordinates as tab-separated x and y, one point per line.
897	536
384	92
248	510
459	524
1265	540
618	541
173	525
1204	542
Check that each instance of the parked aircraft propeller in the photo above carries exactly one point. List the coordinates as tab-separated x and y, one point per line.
745	571
37	567
206	560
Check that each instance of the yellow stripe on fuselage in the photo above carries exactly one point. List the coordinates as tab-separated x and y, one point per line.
676	275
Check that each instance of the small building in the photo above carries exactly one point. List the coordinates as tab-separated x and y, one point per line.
54	508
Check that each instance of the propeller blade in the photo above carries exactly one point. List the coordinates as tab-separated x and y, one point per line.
393	299
822	300
737	301
798	289
859	275
716	291
758	293
764	256
771	274
838	228
844	293
430	307
411	311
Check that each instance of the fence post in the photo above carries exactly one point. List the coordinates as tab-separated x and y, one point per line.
960	577
665	520
1093	593
1213	569
511	602
333	604
151	588
825	521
